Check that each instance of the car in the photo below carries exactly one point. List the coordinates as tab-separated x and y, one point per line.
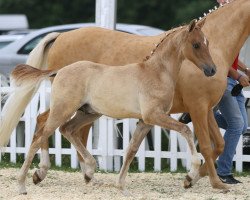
18	51
7	39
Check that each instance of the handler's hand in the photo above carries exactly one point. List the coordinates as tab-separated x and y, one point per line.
247	72
244	81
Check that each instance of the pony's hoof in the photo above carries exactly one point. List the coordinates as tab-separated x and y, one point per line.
22	189
87	178
126	193
221	186
187	182
94	181
36	178
23	193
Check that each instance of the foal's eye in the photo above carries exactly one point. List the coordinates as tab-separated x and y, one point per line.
196	45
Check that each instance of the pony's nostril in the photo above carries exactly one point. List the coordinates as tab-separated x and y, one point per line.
213	71
209	71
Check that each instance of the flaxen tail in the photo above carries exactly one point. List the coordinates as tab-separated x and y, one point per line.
24	87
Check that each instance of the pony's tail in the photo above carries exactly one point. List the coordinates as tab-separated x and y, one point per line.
26	75
23	90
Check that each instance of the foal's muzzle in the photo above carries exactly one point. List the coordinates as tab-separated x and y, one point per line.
209	70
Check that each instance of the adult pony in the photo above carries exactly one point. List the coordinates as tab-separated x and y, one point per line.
227	29
141	90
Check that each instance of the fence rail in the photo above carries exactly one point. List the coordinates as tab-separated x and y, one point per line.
103	140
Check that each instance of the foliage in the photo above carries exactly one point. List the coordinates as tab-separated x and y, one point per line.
157	13
50	12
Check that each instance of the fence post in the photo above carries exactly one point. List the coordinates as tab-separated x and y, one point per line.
239	156
173	150
13	147
126	136
157	148
141	156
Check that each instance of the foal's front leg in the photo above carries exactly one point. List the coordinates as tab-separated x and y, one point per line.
140	132
160	118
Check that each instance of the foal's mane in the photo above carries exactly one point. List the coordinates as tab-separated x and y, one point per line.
173	30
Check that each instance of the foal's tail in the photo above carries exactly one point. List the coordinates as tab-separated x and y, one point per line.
23	89
26	76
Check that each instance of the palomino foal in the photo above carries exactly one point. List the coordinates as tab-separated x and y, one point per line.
142	90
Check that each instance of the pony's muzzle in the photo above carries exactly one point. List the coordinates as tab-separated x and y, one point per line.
209	70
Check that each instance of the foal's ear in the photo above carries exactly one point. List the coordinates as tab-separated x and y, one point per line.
191	25
201	23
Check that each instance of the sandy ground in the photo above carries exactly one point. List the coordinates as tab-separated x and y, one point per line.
143	186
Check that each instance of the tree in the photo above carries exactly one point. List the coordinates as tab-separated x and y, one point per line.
157	13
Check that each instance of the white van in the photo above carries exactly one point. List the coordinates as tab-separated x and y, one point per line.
13	22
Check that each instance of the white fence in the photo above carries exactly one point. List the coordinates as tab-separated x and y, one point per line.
102	141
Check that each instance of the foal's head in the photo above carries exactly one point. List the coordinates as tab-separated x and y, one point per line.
196	49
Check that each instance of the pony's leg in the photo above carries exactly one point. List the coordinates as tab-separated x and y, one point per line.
158	117
140	132
40	174
83	134
35	146
44	164
200	123
56	118
70	130
217	140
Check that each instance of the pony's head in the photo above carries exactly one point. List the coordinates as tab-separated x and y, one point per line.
196	48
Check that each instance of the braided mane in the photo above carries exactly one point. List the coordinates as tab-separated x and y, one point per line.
210	11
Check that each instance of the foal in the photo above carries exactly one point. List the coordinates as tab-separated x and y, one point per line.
142	90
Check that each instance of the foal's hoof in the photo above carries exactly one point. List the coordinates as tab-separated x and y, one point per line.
36	178
24	193
187	182
87	178
126	193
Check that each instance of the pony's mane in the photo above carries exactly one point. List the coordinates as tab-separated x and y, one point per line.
210	11
173	30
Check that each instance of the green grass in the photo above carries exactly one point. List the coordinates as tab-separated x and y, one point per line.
5	163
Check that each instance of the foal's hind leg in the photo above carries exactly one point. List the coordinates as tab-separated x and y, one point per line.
44	164
69	131
83	134
42	133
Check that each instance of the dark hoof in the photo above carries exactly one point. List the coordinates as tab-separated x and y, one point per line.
87	179
36	178
25	193
187	182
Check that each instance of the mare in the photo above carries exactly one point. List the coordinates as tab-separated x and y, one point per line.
144	91
227	28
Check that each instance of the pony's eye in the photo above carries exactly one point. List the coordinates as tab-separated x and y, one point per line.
196	45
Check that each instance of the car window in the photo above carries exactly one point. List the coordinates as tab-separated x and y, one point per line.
150	32
28	47
5	43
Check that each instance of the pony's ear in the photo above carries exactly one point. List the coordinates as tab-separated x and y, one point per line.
201	23
191	25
